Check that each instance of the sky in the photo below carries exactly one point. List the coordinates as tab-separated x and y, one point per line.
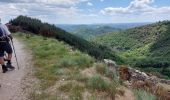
87	11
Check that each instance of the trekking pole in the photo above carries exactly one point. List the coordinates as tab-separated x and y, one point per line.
15	54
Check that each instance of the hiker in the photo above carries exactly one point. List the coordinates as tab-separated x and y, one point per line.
5	47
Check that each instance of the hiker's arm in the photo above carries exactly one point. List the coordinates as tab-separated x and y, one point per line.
8	33
6	30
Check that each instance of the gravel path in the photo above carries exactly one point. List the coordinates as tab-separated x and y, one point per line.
13	83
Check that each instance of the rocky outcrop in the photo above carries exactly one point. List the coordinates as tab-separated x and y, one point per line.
136	79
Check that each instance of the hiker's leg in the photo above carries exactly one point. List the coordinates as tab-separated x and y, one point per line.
9	57
2	62
8	50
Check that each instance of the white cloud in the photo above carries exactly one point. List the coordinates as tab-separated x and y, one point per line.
47	10
54	2
89	4
137	7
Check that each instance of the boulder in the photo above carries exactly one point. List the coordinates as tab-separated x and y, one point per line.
124	73
138	84
110	62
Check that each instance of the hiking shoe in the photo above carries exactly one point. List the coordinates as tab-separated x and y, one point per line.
4	69
10	66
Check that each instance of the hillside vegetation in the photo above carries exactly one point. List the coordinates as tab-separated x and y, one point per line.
146	47
47	30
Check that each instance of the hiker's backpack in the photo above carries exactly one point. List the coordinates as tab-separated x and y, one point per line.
2	34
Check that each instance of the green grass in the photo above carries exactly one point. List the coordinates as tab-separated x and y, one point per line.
96	83
143	95
73	89
51	57
54	61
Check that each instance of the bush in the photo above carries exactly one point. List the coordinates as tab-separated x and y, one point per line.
152	62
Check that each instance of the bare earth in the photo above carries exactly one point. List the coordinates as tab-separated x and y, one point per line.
13	83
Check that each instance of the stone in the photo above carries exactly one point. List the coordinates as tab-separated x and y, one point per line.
110	62
124	73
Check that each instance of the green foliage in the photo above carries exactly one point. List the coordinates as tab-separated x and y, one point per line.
89	33
152	62
145	46
37	27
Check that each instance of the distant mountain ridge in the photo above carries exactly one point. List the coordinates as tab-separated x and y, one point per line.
92	30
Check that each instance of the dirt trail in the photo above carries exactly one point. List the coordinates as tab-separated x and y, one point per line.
13	82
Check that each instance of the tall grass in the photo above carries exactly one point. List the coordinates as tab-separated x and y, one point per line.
73	89
97	83
143	95
104	70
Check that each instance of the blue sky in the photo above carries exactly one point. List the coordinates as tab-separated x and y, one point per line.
87	11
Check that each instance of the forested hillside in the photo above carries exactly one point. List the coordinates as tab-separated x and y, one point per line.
89	31
37	27
147	47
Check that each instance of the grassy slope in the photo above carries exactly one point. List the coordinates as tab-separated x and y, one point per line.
146	42
59	70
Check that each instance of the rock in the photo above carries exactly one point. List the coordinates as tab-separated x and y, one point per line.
110	62
149	85
124	73
138	84
127	84
165	81
137	79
